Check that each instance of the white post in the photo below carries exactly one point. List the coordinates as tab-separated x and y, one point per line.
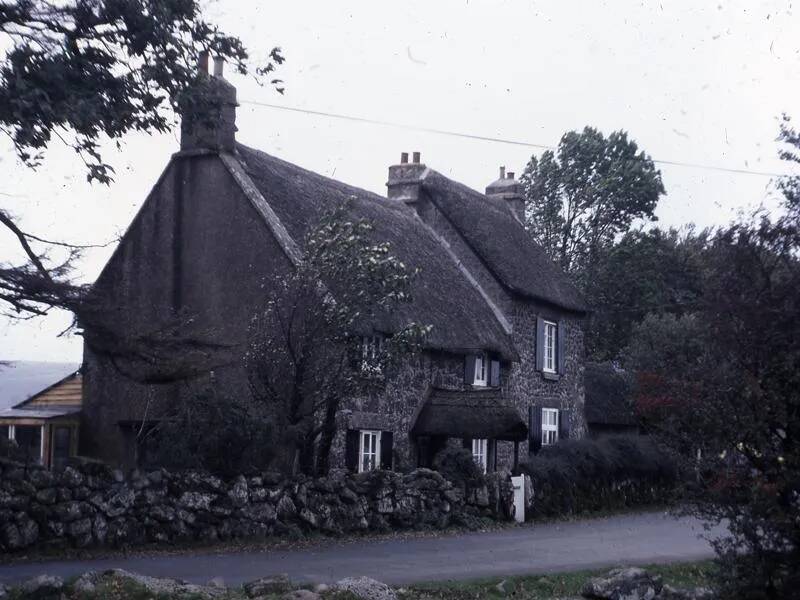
519	498
41	444
11	433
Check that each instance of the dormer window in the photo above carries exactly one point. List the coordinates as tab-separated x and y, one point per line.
371	350
481	369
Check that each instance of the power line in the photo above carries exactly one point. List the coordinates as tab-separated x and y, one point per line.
484	138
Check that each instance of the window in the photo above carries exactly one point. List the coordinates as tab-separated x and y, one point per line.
549	426
371	349
479	453
30	441
369	451
481	369
550	336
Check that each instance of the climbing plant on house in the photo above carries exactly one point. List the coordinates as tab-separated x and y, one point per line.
314	341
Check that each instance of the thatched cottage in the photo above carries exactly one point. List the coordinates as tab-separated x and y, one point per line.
501	371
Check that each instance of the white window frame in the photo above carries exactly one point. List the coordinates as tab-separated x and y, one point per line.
550	347
480	453
367	451
550	426
481	377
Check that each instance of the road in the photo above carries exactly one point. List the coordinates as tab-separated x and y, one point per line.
641	538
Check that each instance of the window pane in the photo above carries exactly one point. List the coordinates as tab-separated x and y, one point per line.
29	440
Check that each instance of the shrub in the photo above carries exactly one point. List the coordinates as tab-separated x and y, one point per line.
579	476
220	436
458	465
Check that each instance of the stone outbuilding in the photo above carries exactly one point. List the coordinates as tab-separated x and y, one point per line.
500	373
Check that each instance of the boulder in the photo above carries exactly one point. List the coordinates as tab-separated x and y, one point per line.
162	586
10	537
42	586
275	584
195	500
301	595
670	593
286	507
238	493
366	588
86	583
71	477
630	583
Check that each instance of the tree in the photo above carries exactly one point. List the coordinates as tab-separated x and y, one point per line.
582	196
84	72
306	350
726	382
646	272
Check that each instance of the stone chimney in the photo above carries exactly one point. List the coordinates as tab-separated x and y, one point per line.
211	122
405	179
510	190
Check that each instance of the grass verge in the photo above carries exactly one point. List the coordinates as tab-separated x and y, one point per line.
548	587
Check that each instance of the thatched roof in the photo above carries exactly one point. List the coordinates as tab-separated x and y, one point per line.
607	396
505	247
462	321
480	414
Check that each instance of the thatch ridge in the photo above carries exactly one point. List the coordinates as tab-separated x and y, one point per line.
490	229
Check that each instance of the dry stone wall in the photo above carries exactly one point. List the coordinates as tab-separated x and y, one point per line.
93	505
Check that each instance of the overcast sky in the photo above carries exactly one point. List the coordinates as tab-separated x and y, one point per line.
691	81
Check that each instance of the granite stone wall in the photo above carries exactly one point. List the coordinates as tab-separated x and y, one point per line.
94	505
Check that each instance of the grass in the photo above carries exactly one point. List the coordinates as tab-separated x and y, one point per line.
547	587
534	587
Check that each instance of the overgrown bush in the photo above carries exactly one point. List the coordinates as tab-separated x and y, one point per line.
220	436
580	476
458	465
10	449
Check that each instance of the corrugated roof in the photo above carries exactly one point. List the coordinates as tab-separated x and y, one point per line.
442	297
505	247
30	413
20	380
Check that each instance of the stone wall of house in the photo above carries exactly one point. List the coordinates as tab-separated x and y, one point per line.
396	403
527	387
94	505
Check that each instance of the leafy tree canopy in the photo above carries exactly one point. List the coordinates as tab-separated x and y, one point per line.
721	386
305	353
87	70
655	271
581	196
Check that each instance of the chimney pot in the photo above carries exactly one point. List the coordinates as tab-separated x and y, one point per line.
502	172
511	174
219	65
202	62
416	158
404	158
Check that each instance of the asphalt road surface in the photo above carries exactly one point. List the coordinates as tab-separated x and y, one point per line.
641	538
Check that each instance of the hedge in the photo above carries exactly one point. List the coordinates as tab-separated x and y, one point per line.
612	473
